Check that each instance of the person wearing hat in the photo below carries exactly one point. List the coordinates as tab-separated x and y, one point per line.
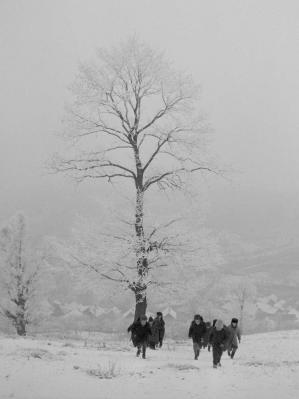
219	339
197	332
235	337
141	331
159	327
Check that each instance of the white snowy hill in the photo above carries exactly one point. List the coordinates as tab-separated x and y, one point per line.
266	366
273	266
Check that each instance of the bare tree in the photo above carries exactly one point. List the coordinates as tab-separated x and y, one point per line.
134	119
244	292
18	275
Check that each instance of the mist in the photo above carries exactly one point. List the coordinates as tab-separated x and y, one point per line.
243	55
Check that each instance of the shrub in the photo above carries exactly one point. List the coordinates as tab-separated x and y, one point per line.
106	371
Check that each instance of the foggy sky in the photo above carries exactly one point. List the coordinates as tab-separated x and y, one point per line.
243	53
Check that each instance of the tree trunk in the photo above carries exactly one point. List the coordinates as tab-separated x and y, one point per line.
21	327
140	285
140	304
241	323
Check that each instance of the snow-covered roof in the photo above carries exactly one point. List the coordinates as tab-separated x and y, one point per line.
73	313
169	312
128	313
96	310
267	308
114	310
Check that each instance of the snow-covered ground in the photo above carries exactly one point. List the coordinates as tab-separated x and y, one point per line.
266	366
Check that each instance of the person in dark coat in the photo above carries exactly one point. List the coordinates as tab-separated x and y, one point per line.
219	339
206	337
197	332
235	337
141	331
209	332
131	329
152	339
159	328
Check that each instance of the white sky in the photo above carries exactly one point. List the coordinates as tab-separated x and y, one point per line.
244	53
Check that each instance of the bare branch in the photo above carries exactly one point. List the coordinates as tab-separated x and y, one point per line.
104	275
175	173
169	106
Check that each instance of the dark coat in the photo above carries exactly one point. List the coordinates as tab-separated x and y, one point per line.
159	329
206	338
219	337
140	333
130	329
154	337
197	331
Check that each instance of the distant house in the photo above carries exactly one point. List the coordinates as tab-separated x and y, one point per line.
97	311
110	315
169	314
130	313
73	314
88	312
57	309
295	312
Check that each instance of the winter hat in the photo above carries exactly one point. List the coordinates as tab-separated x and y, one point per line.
219	325
150	318
234	320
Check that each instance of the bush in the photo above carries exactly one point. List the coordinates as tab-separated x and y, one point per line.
182	367
107	371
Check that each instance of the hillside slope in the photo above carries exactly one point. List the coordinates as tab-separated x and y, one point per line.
266	366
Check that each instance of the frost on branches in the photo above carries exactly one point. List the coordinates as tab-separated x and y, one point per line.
134	121
180	256
19	271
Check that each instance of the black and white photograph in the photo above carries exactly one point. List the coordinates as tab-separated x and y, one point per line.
149	207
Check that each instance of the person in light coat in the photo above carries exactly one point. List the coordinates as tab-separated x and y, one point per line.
235	337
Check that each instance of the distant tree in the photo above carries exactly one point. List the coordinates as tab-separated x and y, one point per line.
244	292
18	274
134	119
231	296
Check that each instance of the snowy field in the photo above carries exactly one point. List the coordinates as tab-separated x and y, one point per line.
266	366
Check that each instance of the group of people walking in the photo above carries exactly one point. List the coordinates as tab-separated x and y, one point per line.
218	336
147	333
150	333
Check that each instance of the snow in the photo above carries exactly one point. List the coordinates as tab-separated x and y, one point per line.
266	366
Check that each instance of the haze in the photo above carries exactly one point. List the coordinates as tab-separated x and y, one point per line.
245	56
